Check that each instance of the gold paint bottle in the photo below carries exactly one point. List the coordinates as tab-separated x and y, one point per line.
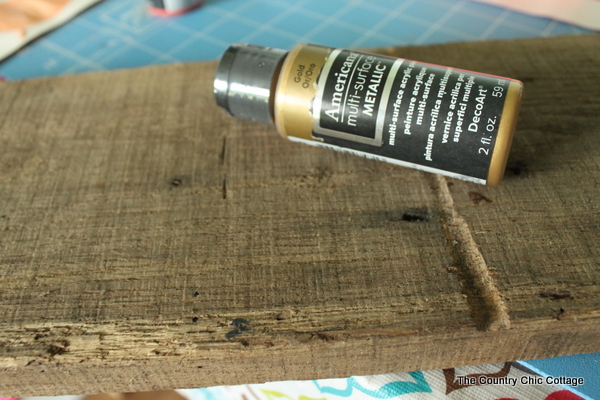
438	119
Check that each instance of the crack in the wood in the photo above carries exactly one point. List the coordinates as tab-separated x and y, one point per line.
485	301
222	161
222	155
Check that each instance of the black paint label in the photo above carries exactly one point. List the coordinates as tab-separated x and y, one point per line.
420	115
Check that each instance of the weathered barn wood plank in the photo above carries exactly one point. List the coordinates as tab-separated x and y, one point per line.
149	241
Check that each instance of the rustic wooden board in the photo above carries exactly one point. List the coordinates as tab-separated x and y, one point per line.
148	241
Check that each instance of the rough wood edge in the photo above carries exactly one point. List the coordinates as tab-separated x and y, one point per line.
319	358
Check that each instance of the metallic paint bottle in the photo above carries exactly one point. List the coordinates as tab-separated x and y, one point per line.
438	119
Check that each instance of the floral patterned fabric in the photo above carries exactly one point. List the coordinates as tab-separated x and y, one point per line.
509	381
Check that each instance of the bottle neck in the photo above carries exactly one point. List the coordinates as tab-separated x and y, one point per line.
246	79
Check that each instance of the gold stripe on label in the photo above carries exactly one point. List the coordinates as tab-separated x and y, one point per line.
508	121
296	90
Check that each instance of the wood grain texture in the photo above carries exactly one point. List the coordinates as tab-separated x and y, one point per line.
148	240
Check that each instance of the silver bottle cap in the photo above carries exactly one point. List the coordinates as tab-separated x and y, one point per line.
244	79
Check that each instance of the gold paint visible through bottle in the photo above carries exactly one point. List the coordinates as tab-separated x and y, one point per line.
437	119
